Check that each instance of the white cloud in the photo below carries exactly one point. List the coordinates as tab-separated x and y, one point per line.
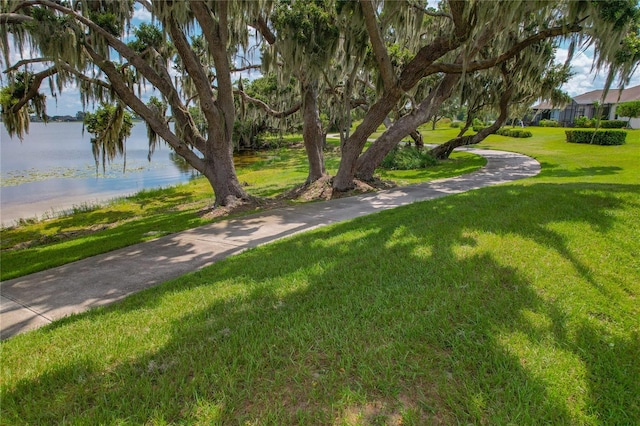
140	14
585	79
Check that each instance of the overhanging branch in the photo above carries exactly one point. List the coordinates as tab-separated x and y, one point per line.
266	108
490	63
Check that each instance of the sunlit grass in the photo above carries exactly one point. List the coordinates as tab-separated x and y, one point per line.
153	213
515	304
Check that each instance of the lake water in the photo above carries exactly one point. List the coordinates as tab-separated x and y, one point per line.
52	169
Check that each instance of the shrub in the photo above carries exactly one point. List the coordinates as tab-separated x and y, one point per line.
514	133
629	109
455	124
613	124
478	128
407	158
602	137
549	123
478	122
583	122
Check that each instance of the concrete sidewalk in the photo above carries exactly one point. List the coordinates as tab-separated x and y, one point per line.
37	299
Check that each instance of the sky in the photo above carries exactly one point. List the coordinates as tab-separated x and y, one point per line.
583	80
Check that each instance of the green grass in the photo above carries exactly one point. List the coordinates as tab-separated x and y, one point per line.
153	213
514	304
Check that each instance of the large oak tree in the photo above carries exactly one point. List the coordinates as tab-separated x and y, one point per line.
186	58
408	58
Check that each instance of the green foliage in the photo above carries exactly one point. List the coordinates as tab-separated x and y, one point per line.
111	126
549	123
308	33
612	124
514	133
455	124
246	134
407	158
603	137
17	122
160	109
478	123
108	22
629	109
147	35
583	122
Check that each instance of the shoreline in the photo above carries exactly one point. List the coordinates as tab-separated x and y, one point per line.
10	215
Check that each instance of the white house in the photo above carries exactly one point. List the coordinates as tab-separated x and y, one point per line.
585	105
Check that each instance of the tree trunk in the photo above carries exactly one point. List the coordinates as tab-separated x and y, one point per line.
372	157
343	180
415	134
221	172
443	151
417	139
312	132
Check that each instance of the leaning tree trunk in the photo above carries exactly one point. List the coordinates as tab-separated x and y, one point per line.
405	125
417	138
415	134
343	180
312	133
443	151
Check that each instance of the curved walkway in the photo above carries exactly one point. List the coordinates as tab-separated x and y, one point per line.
35	300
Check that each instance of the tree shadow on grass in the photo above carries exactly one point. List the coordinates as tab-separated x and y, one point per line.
407	315
553	170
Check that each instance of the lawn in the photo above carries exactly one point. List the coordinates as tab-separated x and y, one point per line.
38	245
514	304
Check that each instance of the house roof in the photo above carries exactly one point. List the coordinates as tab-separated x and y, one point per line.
614	96
628	94
544	105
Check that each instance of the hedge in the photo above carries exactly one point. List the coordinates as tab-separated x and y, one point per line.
514	133
613	124
602	137
548	123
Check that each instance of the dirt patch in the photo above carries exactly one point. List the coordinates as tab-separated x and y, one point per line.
320	190
240	207
60	236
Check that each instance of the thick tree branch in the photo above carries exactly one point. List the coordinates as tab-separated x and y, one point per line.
14	18
248	67
195	70
216	37
418	67
33	88
260	24
517	48
377	44
266	108
430	12
157	123
462	28
26	62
